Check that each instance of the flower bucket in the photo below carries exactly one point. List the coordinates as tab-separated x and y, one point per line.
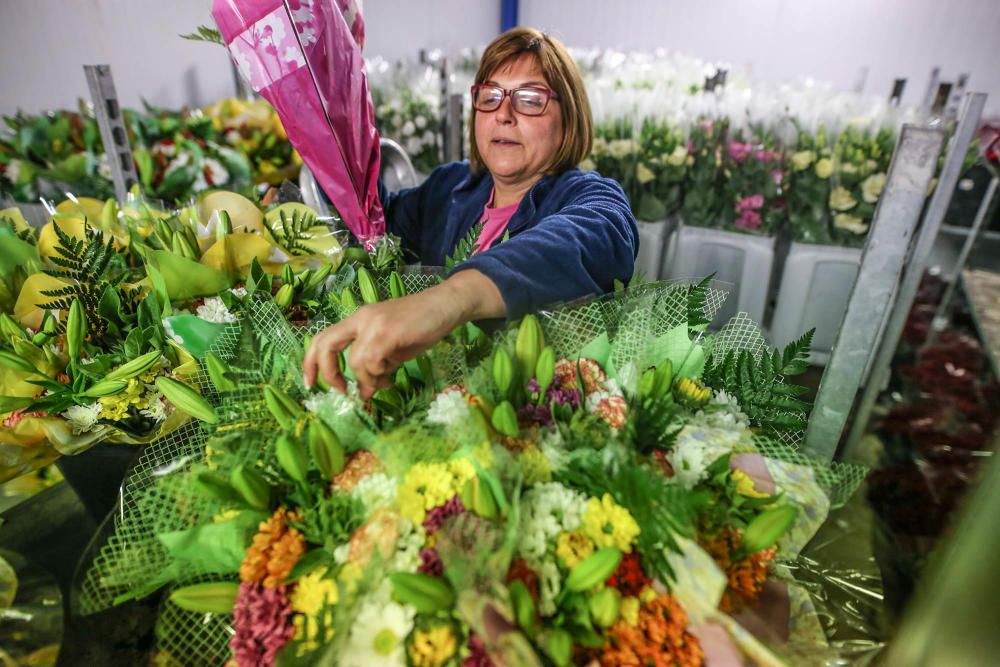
653	240
815	288
743	260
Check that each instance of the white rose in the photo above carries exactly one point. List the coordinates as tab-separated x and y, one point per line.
678	157
841	199
643	173
871	188
801	160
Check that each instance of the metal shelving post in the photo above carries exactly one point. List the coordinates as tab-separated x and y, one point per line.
896	217
111	122
884	349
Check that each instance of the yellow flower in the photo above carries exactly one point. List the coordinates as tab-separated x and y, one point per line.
428	485
824	168
802	160
116	407
841	199
534	466
850	223
871	188
573	547
609	524
648	594
848	168
433	647
693	392
629	610
313	598
643	173
679	156
745	485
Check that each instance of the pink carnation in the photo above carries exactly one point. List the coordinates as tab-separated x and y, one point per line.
263	621
749	220
740	151
752	202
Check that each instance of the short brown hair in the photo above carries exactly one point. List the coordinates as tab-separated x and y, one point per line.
562	75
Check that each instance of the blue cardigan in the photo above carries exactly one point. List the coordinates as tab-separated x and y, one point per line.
572	235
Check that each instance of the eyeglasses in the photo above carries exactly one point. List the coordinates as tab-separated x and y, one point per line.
528	101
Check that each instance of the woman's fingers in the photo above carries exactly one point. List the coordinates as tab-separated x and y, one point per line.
322	357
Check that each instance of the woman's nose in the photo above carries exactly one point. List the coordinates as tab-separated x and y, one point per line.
505	113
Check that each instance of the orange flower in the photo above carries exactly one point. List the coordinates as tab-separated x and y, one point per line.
360	464
659	639
746	576
275	549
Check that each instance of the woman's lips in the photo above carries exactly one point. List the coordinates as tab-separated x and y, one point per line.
505	142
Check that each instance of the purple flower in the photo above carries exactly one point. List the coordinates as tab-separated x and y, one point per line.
570	397
740	151
764	156
537	414
263	621
437	516
430	562
477	653
749	220
534	387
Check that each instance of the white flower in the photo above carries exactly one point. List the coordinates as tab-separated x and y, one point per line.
448	409
157	410
871	188
104	167
378	635
841	199
13	170
413	146
678	157
588	165
802	160
619	148
82	418
169	330
165	149
334	403
375	491
643	173
824	168
232	137
850	223
239	291
408	128
689	462
216	172
549	509
428	137
550	583
214	310
410	542
420	122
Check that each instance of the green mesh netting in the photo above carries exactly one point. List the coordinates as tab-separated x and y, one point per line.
157	497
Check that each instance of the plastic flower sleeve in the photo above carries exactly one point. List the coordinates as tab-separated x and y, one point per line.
304	57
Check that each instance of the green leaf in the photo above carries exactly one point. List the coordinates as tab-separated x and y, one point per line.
197	335
216	547
688	358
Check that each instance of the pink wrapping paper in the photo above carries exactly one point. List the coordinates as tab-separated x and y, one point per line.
304	57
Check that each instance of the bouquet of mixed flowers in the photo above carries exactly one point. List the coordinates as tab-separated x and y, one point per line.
592	493
254	129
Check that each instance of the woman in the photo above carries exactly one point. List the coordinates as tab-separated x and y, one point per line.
570	233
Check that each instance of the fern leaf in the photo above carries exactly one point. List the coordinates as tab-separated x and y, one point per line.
465	247
696	298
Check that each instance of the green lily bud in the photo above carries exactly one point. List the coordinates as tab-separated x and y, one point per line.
11	329
292	457
545	370
285	295
76	330
604	606
503	371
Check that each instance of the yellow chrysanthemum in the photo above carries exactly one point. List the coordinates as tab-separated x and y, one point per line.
313	600
535	466
428	485
433	647
629	611
573	547
609	524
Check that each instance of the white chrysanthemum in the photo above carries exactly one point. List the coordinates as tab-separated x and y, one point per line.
550	583
723	412
549	509
375	491
82	418
412	538
333	402
448	408
551	445
157	409
378	635
689	462
239	291
214	310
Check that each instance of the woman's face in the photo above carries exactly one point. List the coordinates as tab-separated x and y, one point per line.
514	147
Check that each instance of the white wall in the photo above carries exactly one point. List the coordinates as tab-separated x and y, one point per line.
43	43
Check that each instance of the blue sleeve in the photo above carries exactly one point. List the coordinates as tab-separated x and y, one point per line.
403	214
578	251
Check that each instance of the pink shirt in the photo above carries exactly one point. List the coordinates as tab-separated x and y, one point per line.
495	222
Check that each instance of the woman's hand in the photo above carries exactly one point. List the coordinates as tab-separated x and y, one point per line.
384	335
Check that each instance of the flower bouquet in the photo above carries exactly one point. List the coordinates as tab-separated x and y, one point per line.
254	129
591	494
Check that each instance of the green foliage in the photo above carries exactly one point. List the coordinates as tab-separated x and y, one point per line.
757	383
295	230
653	423
663	510
330	520
582	430
465	248
696	297
205	34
